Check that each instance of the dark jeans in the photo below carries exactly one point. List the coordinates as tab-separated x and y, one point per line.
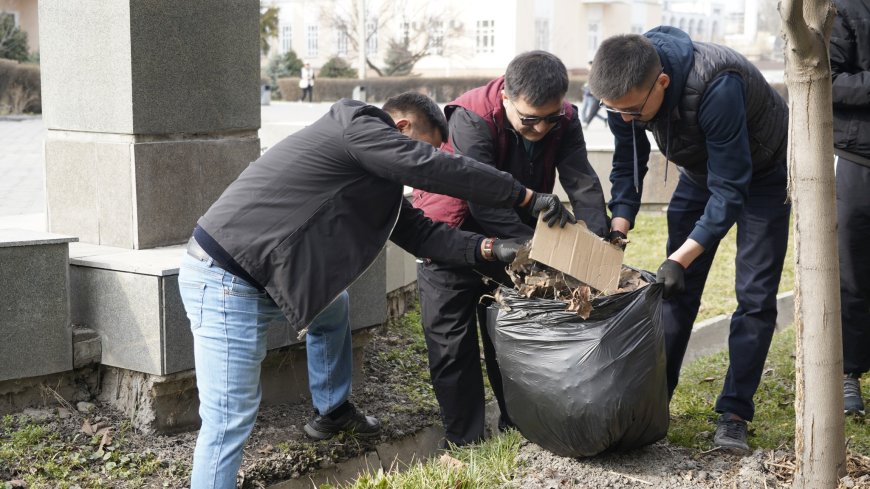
309	91
762	238
450	311
853	233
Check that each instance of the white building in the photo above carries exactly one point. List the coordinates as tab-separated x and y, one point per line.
467	38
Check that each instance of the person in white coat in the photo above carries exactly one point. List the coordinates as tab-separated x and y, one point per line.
306	82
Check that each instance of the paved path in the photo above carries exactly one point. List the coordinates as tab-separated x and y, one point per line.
22	174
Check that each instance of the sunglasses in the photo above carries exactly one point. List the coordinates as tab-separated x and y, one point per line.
535	120
633	113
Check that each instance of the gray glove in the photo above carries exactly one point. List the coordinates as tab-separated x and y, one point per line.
552	208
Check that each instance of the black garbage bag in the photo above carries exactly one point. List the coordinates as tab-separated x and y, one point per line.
582	387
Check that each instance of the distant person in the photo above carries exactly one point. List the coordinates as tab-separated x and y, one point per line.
306	82
716	117
296	228
591	106
850	68
519	123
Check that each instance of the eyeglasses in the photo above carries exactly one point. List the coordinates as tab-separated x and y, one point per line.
535	120
634	113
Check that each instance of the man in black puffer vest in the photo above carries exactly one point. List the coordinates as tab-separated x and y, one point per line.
850	67
714	116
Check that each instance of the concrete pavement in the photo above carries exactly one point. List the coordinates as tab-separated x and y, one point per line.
22	186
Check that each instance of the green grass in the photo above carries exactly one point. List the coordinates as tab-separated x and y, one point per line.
692	416
647	251
44	459
487	465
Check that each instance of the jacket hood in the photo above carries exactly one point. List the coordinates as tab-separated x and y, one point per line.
678	57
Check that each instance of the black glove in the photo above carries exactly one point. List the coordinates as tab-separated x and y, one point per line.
617	238
671	274
505	250
552	207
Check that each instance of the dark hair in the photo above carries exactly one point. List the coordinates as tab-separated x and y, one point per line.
417	103
537	76
623	63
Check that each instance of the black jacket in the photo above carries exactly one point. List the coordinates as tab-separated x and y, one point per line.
720	122
471	137
850	68
309	216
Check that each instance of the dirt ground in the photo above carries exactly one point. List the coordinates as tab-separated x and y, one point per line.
392	390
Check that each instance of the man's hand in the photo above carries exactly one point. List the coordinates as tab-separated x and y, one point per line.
505	250
617	238
552	208
671	273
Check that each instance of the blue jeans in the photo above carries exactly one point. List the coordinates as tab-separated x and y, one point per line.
762	239
229	319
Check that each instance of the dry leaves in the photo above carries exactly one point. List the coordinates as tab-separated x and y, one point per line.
534	279
450	462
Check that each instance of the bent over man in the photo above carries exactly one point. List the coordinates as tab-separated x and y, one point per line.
521	124
296	228
714	116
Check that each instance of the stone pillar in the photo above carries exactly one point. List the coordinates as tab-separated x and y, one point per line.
152	109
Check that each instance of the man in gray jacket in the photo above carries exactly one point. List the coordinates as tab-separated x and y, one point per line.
294	231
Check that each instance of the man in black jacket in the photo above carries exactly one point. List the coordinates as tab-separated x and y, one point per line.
713	115
296	228
850	68
519	123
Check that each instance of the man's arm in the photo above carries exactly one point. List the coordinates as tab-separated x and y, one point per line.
423	237
579	179
470	136
851	86
382	150
722	117
624	197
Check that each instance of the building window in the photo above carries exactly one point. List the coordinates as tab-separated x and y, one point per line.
542	34
371	38
286	38
485	36
436	38
312	41
593	39
341	42
637	29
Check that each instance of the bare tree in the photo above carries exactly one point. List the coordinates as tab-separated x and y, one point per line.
417	34
819	436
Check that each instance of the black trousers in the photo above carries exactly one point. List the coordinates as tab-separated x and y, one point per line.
762	237
451	313
853	233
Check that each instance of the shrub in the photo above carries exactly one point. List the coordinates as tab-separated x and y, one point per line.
442	90
19	88
13	41
337	67
283	66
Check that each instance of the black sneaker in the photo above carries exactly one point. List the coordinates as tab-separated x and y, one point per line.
852	401
731	434
345	418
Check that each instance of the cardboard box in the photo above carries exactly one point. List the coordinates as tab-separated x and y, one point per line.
578	252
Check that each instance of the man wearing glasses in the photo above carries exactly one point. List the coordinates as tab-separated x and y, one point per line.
521	124
715	117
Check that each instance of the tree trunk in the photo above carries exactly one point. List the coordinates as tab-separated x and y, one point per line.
819	435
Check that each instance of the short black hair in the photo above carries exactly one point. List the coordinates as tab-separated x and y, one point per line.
623	63
538	77
417	103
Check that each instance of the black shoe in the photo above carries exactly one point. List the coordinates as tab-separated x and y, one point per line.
349	420
731	434
852	401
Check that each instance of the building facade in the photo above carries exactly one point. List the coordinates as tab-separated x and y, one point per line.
26	19
461	38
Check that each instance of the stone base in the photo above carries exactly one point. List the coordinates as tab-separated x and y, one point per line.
169	404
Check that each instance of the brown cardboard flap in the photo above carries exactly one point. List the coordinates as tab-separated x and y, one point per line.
578	252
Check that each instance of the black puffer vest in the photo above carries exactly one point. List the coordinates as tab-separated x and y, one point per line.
766	114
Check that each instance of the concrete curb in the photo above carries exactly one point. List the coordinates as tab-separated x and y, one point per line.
711	336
